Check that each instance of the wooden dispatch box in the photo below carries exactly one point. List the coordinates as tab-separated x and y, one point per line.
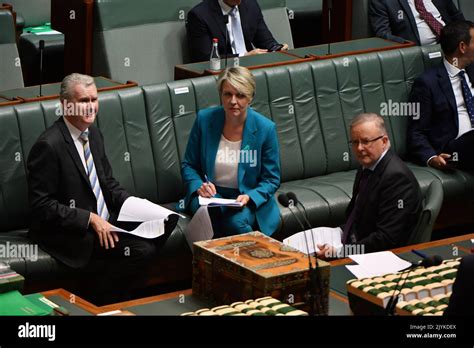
253	265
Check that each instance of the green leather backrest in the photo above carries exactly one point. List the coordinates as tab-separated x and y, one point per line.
143	40
34	12
11	75
146	129
467	8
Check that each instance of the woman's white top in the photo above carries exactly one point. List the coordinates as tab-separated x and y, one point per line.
226	168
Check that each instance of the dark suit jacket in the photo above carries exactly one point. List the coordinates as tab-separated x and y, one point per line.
381	223
61	196
438	123
394	20
462	298
205	21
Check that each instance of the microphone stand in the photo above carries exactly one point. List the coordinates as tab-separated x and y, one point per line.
283	199
41	47
329	2
314	275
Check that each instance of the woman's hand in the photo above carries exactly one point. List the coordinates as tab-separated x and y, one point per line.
207	190
244	199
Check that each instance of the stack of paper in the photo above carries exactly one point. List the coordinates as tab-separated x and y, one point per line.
310	239
152	215
219	202
377	264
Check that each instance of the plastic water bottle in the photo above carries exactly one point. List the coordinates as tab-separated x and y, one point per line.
215	61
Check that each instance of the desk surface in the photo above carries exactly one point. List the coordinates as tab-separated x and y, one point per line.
251	62
51	90
179	302
347	47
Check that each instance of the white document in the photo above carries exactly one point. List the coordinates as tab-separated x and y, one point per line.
152	216
219	202
139	209
321	235
199	228
148	229
377	264
49	32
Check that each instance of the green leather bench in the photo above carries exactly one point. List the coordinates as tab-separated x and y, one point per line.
10	68
146	131
143	40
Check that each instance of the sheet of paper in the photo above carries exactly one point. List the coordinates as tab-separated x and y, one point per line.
139	209
148	229
378	263
49	32
219	202
360	272
321	235
199	228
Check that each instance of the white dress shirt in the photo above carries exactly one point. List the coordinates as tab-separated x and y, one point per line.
225	11
427	37
75	134
463	116
226	168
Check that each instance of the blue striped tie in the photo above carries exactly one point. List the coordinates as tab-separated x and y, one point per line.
102	210
467	95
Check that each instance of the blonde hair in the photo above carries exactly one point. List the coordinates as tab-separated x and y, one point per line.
240	78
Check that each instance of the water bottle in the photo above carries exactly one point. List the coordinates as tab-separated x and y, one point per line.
215	61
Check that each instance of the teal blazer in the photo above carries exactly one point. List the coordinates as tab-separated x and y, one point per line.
259	179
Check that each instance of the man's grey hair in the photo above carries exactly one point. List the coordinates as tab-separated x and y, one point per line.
70	81
370	117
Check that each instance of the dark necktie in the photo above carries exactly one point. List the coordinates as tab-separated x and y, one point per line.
428	18
364	178
466	93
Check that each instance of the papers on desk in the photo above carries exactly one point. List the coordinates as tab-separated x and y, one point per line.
152	215
376	264
219	202
199	228
321	235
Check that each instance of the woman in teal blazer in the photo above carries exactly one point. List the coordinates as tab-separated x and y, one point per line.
233	152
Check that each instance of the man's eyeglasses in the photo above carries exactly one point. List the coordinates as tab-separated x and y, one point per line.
364	142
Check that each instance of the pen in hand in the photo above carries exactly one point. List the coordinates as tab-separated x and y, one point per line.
208	186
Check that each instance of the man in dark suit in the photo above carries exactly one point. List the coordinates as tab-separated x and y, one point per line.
419	21
462	298
386	198
442	133
74	198
247	32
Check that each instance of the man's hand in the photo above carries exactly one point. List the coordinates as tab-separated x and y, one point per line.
440	161
256	51
244	199
285	47
326	252
102	228
207	190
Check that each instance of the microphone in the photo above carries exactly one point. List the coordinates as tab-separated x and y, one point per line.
285	201
435	260
226	21
329	4
315	280
292	197
41	48
289	203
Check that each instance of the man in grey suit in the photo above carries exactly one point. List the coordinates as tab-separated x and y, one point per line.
419	21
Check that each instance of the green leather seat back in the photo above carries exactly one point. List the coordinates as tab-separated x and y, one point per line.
11	75
33	12
467	8
360	20
276	17
140	40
